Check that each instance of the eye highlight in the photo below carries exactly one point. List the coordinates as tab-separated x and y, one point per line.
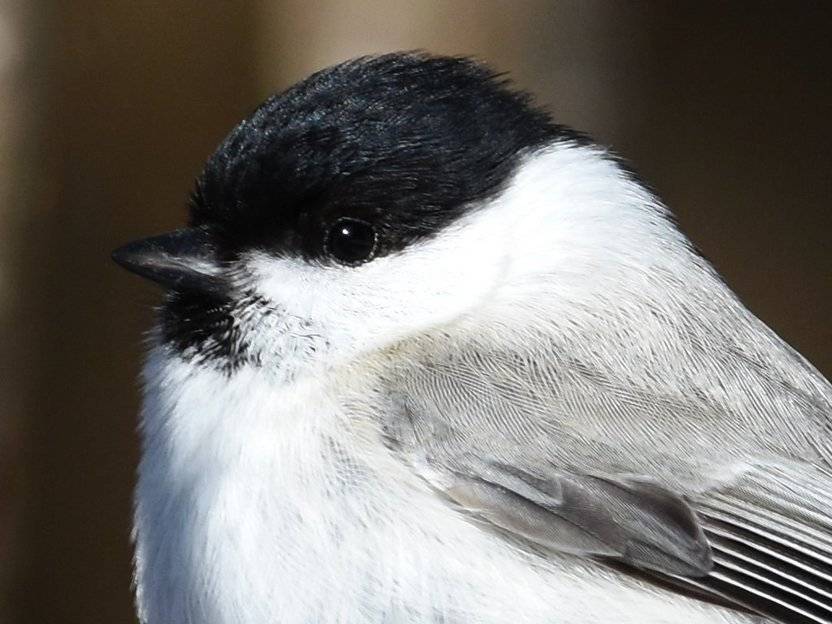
351	241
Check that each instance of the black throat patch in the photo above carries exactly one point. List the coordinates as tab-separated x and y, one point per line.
205	328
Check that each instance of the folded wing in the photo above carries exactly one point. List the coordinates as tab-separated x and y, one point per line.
718	501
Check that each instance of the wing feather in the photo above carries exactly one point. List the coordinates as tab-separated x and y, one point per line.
633	520
772	551
512	431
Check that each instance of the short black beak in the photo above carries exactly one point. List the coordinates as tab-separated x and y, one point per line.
182	260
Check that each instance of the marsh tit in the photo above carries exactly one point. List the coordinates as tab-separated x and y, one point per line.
427	356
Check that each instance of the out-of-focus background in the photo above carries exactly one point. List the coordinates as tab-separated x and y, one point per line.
107	110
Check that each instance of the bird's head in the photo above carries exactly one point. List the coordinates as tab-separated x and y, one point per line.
375	200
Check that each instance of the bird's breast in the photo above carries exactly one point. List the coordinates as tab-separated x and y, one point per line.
261	504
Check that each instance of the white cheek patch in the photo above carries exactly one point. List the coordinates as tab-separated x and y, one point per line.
430	283
553	237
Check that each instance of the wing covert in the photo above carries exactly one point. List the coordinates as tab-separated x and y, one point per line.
631	519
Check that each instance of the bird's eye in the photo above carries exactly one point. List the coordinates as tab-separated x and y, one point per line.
351	241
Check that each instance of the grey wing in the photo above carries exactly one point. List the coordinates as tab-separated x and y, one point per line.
569	459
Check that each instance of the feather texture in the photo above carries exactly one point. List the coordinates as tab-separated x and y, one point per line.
631	519
758	482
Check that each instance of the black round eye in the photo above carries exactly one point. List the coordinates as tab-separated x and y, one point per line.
351	241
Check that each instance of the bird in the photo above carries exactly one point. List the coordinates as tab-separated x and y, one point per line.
427	356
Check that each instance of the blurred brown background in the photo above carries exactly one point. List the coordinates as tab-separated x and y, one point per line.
107	110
